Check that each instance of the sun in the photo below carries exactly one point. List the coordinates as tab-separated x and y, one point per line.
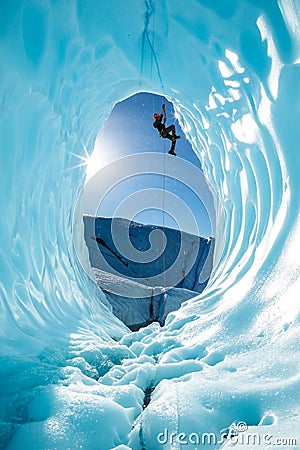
103	153
94	163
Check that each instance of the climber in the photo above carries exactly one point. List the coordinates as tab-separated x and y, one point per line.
159	123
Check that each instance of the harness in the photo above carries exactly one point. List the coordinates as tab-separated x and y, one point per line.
163	133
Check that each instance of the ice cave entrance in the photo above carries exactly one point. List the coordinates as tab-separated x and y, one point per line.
147	228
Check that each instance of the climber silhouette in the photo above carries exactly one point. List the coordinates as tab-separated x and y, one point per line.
159	124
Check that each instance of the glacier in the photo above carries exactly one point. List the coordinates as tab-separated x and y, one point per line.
189	269
72	374
141	293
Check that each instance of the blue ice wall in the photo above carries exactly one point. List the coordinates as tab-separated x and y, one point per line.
60	81
232	71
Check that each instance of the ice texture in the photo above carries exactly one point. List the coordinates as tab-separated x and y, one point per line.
139	305
72	375
140	293
188	265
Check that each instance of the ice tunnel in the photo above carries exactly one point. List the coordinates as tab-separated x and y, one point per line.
72	375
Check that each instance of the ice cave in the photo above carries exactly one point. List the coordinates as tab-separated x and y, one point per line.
223	371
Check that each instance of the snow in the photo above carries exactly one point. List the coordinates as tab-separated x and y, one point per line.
188	258
129	286
138	305
72	375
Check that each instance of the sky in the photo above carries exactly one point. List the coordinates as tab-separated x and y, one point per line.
129	131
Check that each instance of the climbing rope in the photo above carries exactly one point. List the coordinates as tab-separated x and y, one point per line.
150	12
163	227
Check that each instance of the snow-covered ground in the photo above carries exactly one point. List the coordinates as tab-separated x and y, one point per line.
72	375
